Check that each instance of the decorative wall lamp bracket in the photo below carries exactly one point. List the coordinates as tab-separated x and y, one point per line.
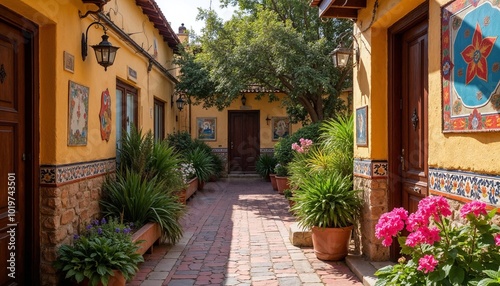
98	3
243	100
105	52
180	103
343	56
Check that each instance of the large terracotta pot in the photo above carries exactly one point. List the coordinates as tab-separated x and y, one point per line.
273	181
116	280
282	184
331	243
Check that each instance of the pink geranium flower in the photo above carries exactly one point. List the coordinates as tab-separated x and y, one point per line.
390	224
423	235
497	240
432	206
427	263
476	207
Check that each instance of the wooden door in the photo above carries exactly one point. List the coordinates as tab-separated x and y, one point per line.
244	141
408	113
17	192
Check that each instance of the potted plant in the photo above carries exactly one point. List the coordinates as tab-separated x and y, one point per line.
265	166
326	203
281	178
203	164
190	181
142	201
102	254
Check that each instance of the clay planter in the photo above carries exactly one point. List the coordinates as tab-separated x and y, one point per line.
187	192
331	243
149	233
116	280
273	181
282	184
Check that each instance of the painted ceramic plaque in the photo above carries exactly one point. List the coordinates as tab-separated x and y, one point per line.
362	126
78	114
281	127
105	115
207	128
471	66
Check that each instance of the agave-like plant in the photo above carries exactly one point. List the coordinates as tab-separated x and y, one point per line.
140	201
202	163
338	139
326	199
265	165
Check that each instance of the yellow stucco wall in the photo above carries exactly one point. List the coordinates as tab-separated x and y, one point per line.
60	30
271	109
478	152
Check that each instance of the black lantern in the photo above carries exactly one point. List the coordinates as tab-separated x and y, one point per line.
180	103
105	52
243	100
341	57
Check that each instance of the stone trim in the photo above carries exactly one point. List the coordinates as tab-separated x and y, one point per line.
57	175
370	168
465	186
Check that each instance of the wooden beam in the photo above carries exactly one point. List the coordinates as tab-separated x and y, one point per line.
340	13
355	4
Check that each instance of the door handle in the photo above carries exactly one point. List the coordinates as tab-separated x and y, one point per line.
417	190
402	159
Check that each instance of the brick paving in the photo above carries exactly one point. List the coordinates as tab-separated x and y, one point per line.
236	232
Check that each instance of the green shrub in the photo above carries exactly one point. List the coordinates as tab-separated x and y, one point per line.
141	201
265	165
283	149
202	163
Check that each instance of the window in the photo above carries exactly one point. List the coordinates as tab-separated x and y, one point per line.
126	110
159	124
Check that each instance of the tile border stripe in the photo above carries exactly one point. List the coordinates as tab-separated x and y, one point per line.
56	175
370	169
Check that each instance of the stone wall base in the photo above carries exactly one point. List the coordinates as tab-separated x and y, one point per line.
63	211
375	204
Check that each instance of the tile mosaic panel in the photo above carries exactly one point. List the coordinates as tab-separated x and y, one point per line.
63	174
470	186
370	169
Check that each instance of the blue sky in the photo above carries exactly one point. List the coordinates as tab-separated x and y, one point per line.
185	11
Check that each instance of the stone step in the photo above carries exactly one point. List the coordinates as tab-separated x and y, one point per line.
299	236
364	269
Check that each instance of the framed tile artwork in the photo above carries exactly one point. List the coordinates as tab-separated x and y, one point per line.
280	127
69	62
207	128
470	66
78	114
362	126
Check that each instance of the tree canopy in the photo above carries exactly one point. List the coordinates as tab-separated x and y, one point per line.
275	44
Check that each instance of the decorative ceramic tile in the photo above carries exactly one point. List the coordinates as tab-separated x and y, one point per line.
63	174
370	169
470	186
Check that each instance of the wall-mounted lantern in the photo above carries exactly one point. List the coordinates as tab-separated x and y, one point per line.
105	52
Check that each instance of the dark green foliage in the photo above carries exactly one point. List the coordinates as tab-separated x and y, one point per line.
326	199
140	153
180	141
141	201
202	163
283	149
265	165
100	249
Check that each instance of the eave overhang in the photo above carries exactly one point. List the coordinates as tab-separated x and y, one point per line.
347	9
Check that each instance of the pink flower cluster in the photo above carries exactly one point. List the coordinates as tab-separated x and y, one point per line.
418	224
303	146
477	208
427	263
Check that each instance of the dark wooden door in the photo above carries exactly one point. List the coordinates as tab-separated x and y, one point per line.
413	157
14	60
408	114
244	141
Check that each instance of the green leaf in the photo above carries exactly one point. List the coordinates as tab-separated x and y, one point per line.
457	275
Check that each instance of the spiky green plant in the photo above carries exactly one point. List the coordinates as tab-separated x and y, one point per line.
141	201
265	165
202	163
338	139
326	199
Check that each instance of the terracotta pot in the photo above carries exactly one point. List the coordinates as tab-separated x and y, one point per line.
192	187
331	243
116	280
149	234
282	184
273	181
